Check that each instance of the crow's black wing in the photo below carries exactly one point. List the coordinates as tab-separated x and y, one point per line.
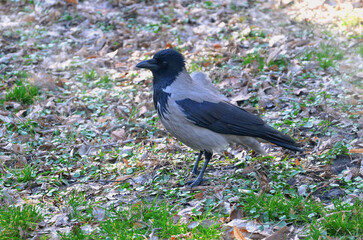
226	118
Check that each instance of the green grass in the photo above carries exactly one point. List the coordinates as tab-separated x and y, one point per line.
343	221
254	57
273	208
91	75
23	127
104	82
195	67
25	174
339	149
13	220
351	20
326	55
280	63
360	51
81	208
106	27
22	92
254	33
138	221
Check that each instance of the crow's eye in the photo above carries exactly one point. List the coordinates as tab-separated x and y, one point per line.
164	64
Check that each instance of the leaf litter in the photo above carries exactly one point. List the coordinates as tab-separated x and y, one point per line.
93	130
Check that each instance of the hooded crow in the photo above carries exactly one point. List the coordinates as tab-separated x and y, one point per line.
194	112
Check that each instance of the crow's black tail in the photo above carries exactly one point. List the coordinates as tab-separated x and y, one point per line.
272	135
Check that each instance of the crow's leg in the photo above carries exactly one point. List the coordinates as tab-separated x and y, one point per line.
208	156
195	168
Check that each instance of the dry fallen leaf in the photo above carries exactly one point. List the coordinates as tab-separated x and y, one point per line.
297	162
126	163
193	224
104	119
118	134
235	214
17	148
112	54
238	234
358	150
199	195
217	46
281	234
168	45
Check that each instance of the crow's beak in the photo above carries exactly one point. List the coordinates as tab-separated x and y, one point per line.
148	64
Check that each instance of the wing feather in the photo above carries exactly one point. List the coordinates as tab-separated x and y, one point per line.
226	118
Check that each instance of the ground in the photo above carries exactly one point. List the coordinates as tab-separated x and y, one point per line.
83	155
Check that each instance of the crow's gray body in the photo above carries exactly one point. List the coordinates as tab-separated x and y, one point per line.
194	136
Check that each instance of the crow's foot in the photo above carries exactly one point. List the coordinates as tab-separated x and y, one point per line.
197	182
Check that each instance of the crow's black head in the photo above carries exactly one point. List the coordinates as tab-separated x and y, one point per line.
165	64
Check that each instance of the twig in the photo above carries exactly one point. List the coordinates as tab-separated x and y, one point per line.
120	126
66	102
316	147
355	44
291	99
197	188
2	70
100	146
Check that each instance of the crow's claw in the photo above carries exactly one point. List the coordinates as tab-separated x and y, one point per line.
197	182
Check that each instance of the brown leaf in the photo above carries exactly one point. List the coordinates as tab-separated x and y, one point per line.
21	162
297	162
142	111
273	54
238	234
281	234
273	68
43	80
120	64
17	148
28	19
126	162
264	181
61	82
357	150
217	46
168	45
199	195
356	113
118	134
235	214
206	64
104	119
248	169
72	1
123	178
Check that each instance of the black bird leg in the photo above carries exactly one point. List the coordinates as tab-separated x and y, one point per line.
196	164
208	156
